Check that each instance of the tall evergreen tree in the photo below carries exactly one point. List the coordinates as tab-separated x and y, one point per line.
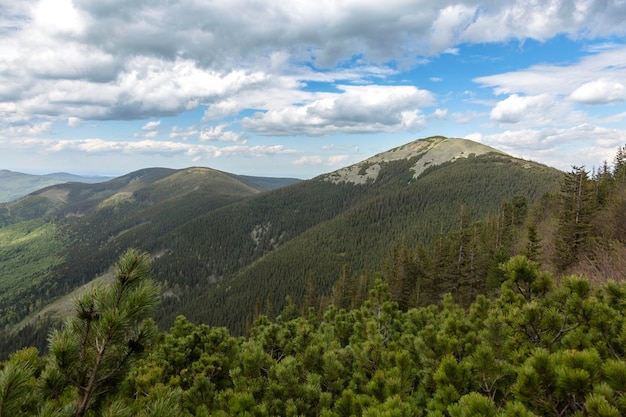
576	209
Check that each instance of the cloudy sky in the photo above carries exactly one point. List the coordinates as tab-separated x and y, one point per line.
298	88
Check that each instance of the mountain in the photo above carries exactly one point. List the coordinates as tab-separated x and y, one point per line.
350	217
14	185
222	244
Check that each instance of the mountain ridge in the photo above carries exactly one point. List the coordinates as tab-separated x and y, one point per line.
14	185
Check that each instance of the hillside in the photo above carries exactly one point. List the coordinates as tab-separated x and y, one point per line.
63	236
14	185
363	221
222	247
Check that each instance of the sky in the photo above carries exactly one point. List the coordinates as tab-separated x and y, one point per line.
297	88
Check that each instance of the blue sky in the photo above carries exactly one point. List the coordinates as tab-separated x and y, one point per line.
300	88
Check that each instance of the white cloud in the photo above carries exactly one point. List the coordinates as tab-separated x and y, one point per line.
147	135
183	133
358	109
218	134
146	60
151	125
335	160
438	114
58	16
515	108
308	160
74	122
143	147
614	118
583	144
451	22
331	161
600	91
32	129
560	80
72	61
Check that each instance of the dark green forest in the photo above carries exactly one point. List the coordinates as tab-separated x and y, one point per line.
318	227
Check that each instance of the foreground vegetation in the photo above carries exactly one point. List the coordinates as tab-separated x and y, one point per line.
539	348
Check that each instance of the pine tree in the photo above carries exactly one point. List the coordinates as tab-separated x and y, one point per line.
16	388
109	329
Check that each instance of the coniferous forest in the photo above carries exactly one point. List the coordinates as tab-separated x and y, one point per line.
518	311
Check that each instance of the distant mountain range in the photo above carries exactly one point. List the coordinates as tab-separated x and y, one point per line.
14	185
224	245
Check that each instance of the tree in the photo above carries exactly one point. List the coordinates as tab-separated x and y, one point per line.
16	387
108	330
577	206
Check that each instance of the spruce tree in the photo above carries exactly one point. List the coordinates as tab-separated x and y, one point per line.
577	206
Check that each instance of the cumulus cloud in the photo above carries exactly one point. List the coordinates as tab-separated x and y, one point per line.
74	122
337	159
137	60
31	129
516	108
600	91
359	109
183	133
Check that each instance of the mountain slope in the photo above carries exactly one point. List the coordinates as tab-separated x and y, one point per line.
64	235
392	208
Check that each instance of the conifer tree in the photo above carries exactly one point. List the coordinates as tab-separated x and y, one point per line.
16	388
311	298
577	205
108	330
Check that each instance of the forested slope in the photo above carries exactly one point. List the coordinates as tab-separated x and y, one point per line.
379	214
64	236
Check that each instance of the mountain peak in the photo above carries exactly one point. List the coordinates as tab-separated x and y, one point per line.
430	151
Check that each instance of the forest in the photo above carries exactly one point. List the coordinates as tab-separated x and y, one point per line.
519	313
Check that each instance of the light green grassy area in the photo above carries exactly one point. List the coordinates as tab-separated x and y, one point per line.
27	251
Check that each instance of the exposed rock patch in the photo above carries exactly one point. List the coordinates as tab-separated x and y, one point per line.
430	151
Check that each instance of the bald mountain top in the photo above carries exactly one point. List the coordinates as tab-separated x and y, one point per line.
423	152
